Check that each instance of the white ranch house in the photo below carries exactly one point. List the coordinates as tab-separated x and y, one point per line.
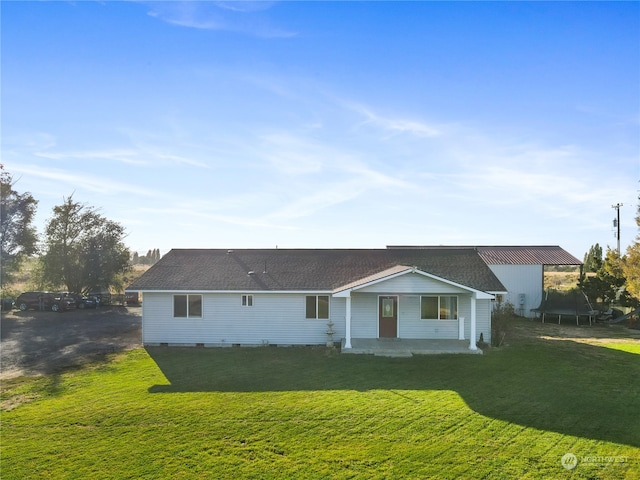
214	297
287	297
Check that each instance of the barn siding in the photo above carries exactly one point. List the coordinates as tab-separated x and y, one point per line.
519	279
274	318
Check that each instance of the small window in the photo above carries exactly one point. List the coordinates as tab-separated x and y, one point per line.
439	308
323	306
187	306
179	305
317	306
247	300
195	306
311	306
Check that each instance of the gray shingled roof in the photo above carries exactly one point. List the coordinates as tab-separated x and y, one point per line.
305	270
515	255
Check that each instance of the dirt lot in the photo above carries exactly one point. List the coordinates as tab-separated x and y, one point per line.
33	343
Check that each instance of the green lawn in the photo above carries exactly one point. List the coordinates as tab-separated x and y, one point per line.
306	413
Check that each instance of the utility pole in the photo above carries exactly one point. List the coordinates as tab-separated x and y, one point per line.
616	224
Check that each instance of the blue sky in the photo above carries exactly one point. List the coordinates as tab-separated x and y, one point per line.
338	124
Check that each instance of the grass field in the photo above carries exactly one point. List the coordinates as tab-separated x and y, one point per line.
309	413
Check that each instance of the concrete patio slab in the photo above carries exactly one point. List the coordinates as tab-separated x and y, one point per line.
404	347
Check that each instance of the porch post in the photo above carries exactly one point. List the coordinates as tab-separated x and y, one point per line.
472	333
347	339
460	328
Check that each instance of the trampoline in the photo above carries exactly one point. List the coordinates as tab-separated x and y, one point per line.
573	303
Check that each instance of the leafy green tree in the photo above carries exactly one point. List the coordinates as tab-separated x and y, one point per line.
83	249
593	259
18	236
607	286
631	266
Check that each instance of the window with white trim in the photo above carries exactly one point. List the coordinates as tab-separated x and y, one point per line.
187	306
317	306
439	307
247	300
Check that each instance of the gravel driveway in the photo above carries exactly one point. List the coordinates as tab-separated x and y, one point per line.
33	343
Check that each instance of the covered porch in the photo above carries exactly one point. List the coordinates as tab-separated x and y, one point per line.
403	310
406	347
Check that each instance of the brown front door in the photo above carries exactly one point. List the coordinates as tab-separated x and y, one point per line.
388	316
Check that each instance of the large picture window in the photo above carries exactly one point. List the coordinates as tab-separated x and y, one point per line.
187	306
439	308
317	306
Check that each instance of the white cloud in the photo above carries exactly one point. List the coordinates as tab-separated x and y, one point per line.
245	6
117	155
186	14
395	125
28	140
87	181
328	196
190	212
544	184
292	155
141	156
239	17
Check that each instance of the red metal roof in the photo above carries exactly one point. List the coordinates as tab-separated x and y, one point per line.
534	255
516	255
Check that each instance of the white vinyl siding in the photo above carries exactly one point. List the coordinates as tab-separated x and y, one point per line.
518	279
280	318
364	315
483	321
412	283
274	318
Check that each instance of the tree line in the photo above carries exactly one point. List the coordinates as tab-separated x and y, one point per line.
150	258
79	250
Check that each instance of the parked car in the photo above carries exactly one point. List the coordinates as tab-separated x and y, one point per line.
56	302
131	299
102	298
7	304
82	301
